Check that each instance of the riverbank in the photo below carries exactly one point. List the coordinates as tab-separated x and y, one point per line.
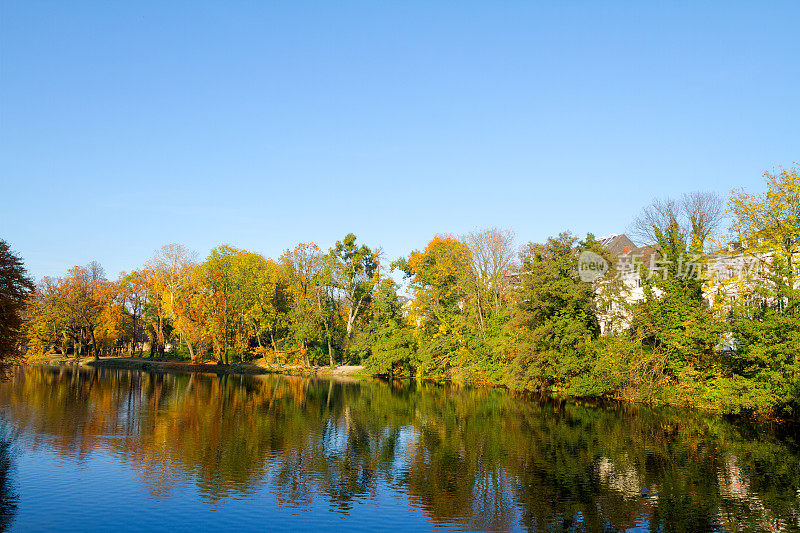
176	365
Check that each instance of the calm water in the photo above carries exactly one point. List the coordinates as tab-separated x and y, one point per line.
99	450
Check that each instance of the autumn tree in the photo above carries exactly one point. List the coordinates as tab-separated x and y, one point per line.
46	324
258	298
769	224
216	276
765	319
189	306
77	308
133	292
111	326
170	276
439	278
154	311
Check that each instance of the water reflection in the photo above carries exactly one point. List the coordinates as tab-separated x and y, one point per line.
8	496
467	457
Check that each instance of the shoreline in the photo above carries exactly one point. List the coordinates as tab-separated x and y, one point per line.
155	365
353	372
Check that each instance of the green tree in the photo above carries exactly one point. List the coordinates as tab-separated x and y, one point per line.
388	338
354	273
555	320
312	310
764	372
15	287
674	317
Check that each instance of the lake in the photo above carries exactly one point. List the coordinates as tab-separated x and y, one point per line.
91	449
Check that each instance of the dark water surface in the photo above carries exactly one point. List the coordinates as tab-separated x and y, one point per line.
121	450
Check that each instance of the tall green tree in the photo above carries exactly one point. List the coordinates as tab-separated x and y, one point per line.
15	287
555	319
674	317
354	273
388	338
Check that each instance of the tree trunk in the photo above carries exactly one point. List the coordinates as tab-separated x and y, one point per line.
351	317
95	351
191	350
133	338
225	338
161	340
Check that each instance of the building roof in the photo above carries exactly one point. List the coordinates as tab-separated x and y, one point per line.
621	245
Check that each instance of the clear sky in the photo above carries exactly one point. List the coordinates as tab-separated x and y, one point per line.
126	126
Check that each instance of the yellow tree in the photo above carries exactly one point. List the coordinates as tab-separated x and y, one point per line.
770	223
189	307
133	292
154	312
257	299
46	324
170	273
438	277
111	320
216	281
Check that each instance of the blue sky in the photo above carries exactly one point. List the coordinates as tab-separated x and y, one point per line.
124	127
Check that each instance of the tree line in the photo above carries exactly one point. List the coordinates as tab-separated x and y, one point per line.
480	309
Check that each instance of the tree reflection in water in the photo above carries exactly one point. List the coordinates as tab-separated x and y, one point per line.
8	496
471	457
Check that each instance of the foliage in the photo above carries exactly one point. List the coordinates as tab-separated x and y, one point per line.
389	340
472	311
15	286
555	320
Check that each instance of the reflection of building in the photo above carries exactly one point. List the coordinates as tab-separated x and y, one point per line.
624	480
734	485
